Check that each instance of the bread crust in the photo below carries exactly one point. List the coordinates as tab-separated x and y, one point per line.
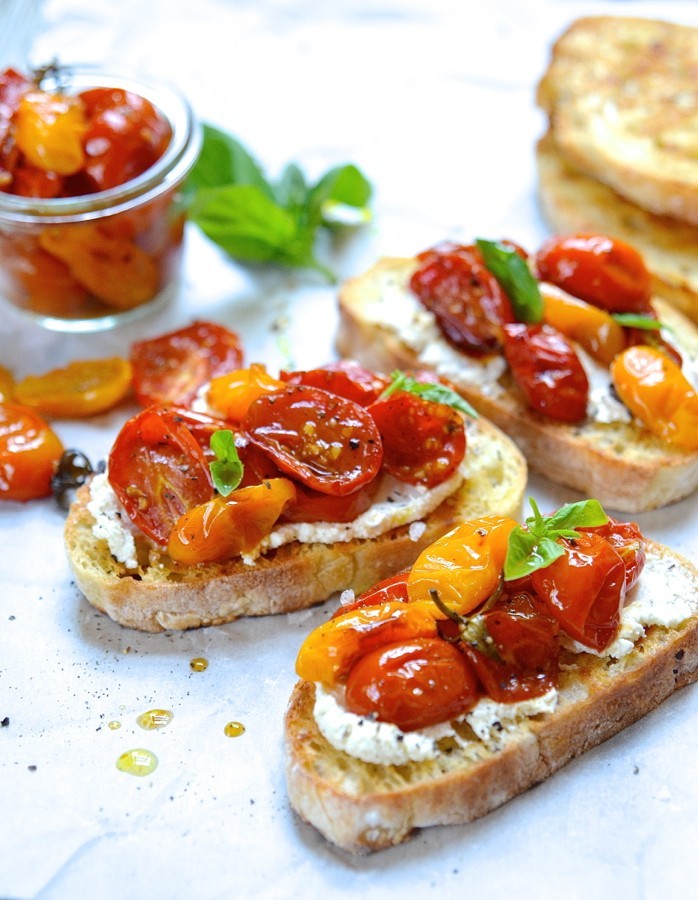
620	96
363	807
162	594
622	465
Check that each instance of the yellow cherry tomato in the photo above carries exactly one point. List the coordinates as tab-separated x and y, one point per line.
464	566
231	394
29	453
83	388
593	328
49	131
329	652
657	392
225	527
7	385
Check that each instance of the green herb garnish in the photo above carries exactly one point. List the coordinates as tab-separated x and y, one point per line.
512	272
434	391
634	320
536	546
256	220
226	468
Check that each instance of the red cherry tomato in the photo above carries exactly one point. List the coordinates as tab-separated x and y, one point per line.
548	371
628	542
171	368
392	589
158	471
324	441
423	442
29	451
468	302
345	378
412	684
314	506
601	270
584	589
202	427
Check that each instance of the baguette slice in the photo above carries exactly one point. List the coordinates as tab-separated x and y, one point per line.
621	464
620	96
362	807
572	202
162	594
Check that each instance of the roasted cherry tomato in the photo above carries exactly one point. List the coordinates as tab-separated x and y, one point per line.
83	388
601	270
522	660
13	86
7	385
231	394
346	378
225	527
324	441
584	589
548	371
158	471
464	566
594	328
314	506
172	368
330	651
202	426
389	589
412	684
423	442
49	129
652	338
628	542
467	301
29	451
657	392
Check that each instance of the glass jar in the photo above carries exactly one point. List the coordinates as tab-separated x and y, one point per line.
90	262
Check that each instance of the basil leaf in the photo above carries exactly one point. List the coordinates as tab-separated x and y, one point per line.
513	274
526	553
633	320
344	186
585	514
435	392
291	192
223	160
227	468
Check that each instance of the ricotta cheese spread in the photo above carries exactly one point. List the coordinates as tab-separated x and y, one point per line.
111	523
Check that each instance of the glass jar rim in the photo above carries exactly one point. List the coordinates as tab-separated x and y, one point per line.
175	163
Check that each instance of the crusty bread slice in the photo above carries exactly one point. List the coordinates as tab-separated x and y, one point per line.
572	202
362	807
162	594
621	464
620	96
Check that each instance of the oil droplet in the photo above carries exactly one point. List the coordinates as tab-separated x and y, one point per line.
234	729
199	664
155	718
114	725
137	762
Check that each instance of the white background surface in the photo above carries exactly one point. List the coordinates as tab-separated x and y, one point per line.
434	100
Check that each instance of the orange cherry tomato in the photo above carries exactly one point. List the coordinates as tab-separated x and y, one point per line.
594	328
330	651
49	129
584	589
231	394
346	378
83	388
171	368
599	269
464	566
412	684
158	471
657	392
225	527
29	451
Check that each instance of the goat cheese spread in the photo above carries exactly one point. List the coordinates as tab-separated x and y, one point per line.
654	603
111	523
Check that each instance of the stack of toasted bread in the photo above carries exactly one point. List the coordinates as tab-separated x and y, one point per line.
621	152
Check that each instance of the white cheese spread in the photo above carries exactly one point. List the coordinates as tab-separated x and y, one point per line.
111	522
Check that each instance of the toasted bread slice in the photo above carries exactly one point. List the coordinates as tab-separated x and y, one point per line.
621	464
575	203
620	96
162	594
362	806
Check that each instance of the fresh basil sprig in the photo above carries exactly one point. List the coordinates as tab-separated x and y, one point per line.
226	468
256	220
512	272
635	320
536	546
434	391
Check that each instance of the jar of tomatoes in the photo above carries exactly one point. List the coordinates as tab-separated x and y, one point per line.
91	213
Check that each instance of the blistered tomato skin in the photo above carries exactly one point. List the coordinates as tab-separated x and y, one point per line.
601	270
592	327
412	684
628	542
29	452
346	378
547	369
